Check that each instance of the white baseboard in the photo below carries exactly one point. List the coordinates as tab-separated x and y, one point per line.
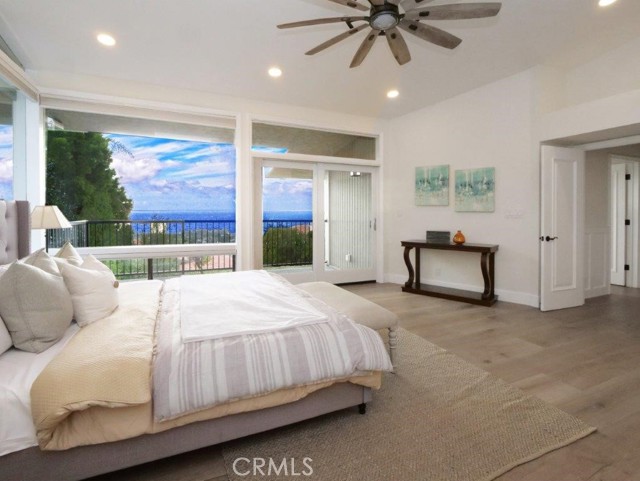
504	295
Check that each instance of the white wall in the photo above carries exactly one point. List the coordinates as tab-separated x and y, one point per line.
612	73
487	127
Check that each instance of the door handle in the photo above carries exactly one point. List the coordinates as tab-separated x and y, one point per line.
548	239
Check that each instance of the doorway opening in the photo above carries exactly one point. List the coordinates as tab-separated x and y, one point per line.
597	203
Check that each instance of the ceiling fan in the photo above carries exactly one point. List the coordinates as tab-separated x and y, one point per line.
386	16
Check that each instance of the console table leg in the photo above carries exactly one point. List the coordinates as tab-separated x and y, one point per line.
407	261
487	275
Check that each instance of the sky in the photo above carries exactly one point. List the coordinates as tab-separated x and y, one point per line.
177	175
6	162
180	175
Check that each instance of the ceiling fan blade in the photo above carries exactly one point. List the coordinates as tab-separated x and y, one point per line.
460	11
319	21
352	4
411	4
430	34
376	3
398	46
364	49
334	40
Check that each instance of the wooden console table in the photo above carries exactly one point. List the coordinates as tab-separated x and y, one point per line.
487	263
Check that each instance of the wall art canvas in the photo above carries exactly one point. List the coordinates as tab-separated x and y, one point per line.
475	190
432	185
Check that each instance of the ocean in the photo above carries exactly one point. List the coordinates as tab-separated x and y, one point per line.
218	219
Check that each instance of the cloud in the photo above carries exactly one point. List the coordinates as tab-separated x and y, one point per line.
134	170
205	168
6	169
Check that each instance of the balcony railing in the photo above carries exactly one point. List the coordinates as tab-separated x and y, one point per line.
285	243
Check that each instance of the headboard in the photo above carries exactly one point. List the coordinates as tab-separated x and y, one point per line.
15	230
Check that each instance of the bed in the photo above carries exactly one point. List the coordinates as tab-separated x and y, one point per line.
153	439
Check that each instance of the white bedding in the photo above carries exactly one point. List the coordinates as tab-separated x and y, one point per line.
240	303
18	370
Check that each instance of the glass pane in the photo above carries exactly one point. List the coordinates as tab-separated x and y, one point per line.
7	96
281	139
348	222
287	199
133	189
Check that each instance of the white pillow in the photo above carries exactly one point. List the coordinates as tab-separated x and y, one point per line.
35	306
5	338
68	253
90	262
94	293
42	260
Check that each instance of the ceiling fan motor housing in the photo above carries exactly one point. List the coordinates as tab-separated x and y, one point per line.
384	17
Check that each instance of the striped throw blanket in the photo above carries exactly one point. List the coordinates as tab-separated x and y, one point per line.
192	376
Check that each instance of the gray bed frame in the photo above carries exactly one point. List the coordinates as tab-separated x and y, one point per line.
74	464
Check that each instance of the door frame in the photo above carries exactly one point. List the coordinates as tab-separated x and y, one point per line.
318	166
632	237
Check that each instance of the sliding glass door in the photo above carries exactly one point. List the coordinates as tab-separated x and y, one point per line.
318	221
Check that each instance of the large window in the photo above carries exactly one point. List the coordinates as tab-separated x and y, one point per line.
124	181
7	97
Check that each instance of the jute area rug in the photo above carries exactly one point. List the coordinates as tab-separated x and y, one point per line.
439	418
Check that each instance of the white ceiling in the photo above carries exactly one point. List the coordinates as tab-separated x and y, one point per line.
226	46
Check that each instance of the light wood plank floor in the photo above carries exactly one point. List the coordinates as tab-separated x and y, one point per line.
585	361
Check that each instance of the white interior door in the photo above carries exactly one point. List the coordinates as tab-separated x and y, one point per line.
618	227
562	228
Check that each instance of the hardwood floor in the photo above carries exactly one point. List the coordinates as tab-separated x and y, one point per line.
585	361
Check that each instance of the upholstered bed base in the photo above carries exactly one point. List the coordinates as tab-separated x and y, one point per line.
78	463
15	230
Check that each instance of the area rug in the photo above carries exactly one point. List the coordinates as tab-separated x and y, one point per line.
439	418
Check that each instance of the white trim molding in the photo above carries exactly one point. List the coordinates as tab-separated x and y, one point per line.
158	251
15	75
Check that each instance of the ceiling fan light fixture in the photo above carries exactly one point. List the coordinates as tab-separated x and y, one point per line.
392	94
606	3
384	20
275	72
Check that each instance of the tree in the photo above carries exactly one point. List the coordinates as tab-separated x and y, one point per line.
286	246
80	180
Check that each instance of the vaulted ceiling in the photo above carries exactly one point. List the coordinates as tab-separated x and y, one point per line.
226	46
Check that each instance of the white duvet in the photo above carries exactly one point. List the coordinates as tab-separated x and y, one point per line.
18	371
239	303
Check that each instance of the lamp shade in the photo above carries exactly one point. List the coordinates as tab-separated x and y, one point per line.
48	217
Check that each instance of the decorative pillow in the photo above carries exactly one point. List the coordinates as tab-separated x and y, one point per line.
42	260
5	338
94	293
35	305
91	263
69	254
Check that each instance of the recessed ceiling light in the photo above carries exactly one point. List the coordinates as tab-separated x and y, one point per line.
275	72
106	39
392	94
606	3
